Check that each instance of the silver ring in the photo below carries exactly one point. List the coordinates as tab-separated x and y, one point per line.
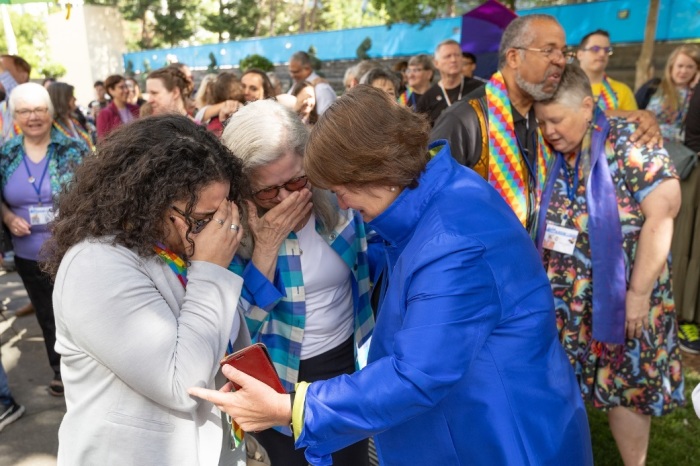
234	227
220	222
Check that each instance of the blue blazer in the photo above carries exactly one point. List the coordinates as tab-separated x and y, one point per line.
465	365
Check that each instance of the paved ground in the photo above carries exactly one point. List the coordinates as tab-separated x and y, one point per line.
32	440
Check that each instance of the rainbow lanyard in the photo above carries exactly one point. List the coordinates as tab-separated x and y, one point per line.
408	98
173	261
506	167
607	100
178	266
81	133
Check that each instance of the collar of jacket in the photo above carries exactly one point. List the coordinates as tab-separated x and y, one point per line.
397	222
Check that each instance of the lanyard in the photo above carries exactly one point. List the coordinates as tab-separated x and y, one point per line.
570	190
31	178
447	98
525	153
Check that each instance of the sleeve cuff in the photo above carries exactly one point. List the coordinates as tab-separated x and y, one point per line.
298	409
264	292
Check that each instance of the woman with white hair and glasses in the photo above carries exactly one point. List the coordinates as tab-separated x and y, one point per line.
34	166
304	264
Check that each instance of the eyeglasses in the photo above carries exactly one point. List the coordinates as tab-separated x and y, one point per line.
26	112
295	184
414	70
197	225
598	48
551	53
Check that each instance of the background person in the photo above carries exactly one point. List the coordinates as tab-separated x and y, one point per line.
383	79
168	90
119	111
305	267
64	104
146	231
301	69
612	286
306	102
593	55
419	75
467	369
33	168
135	97
256	85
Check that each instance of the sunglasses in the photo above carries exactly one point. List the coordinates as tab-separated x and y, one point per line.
197	225
295	184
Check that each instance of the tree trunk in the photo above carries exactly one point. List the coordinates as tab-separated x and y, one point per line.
645	69
273	16
221	14
312	16
302	17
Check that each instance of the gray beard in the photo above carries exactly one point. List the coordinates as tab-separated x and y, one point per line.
535	90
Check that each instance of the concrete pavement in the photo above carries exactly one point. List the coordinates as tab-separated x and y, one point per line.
33	439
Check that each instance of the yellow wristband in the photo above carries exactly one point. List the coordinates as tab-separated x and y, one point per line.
298	409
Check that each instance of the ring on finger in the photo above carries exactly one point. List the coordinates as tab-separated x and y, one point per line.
235	227
219	221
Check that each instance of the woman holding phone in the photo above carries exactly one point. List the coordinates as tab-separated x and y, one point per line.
144	304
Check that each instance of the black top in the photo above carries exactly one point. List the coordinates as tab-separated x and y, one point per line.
692	122
433	102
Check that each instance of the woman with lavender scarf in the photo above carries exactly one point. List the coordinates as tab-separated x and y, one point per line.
605	228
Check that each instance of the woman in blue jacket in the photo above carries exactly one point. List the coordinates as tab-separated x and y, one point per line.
465	365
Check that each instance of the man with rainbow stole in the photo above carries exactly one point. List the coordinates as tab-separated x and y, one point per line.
593	54
494	130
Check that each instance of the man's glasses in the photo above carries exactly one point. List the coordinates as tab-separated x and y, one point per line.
197	225
551	53
598	48
26	112
295	184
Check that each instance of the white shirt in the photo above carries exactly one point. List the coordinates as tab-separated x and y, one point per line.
325	95
329	305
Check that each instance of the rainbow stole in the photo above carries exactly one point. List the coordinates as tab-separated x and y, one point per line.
607	100
507	172
82	134
405	98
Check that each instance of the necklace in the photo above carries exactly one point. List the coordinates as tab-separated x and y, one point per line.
447	98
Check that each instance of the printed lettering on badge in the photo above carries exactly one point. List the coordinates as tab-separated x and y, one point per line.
560	239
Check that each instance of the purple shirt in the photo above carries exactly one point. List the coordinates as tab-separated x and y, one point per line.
19	194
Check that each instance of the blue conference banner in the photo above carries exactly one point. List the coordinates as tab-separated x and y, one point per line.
624	19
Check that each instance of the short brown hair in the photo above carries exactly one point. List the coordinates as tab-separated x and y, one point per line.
366	138
173	77
112	81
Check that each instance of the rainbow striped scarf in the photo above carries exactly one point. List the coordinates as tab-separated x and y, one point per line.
507	171
607	100
82	134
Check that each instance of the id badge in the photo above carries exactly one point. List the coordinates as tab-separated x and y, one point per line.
560	239
40	215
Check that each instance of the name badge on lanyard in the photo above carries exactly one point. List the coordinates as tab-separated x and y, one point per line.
40	215
560	239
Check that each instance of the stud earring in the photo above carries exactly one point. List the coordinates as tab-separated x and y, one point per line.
392	189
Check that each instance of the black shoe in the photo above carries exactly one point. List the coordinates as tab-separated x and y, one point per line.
11	414
689	338
56	386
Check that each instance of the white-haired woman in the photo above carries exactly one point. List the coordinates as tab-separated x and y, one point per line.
33	168
605	229
304	265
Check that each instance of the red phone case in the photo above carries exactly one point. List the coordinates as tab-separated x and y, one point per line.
255	361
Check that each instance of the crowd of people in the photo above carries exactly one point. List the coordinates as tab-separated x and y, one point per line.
368	241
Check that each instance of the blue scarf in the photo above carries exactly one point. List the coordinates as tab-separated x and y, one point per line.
605	233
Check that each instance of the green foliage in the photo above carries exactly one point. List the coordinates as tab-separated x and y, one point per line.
363	48
213	65
414	11
234	19
176	22
256	61
146	66
32	44
129	71
673	440
316	63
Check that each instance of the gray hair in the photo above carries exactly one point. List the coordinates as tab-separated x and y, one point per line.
302	58
425	61
573	88
444	43
30	92
261	133
519	34
360	69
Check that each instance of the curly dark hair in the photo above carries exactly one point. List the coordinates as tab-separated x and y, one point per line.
138	171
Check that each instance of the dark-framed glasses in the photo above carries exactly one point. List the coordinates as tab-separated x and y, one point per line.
597	48
26	112
552	53
197	225
271	192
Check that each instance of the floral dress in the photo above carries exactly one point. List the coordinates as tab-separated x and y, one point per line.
645	374
671	123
